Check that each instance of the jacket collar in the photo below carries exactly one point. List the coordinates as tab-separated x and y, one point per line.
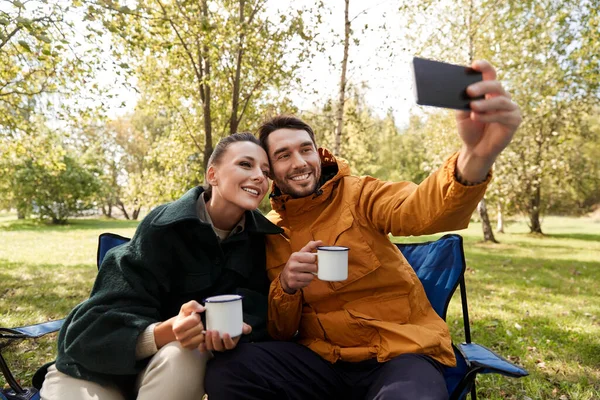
184	209
332	171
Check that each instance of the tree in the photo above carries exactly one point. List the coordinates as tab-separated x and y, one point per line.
48	180
373	145
39	58
342	89
211	64
458	40
45	72
122	150
540	51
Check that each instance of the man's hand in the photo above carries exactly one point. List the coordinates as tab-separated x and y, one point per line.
215	343
187	327
300	268
488	128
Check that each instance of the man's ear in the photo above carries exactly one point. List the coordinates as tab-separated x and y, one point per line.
211	176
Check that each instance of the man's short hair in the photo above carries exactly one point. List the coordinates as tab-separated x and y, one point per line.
282	122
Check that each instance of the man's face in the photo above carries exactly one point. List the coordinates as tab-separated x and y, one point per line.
295	162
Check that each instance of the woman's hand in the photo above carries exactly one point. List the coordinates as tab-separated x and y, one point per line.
187	326
215	343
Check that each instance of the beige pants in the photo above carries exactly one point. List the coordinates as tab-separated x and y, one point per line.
172	373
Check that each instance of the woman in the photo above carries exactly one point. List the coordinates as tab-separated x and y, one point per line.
140	332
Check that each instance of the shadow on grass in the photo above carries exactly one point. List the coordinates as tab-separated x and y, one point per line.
531	271
540	339
517	283
577	236
73	224
34	294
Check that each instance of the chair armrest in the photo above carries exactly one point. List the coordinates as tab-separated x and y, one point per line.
488	362
31	331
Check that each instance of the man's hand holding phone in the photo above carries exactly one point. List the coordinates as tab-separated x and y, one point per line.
489	123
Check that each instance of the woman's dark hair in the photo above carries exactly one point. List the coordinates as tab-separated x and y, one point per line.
221	148
282	122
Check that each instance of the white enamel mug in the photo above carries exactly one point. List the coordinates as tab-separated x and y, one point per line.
224	314
332	263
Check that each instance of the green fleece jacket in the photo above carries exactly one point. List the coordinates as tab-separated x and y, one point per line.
172	258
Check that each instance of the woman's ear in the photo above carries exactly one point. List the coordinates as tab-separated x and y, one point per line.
212	176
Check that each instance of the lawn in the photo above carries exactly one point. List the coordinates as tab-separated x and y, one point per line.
532	299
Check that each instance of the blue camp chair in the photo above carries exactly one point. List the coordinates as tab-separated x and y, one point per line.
440	265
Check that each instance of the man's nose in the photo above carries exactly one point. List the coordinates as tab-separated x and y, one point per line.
298	161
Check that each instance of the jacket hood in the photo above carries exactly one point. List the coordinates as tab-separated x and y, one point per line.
332	171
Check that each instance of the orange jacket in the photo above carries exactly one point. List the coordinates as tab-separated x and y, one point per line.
381	310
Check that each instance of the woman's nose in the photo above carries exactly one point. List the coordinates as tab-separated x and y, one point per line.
258	175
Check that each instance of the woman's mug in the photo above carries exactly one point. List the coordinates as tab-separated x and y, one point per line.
332	263
224	314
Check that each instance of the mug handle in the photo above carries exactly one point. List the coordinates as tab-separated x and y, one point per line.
317	262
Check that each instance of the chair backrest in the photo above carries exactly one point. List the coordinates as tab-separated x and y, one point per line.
439	265
107	241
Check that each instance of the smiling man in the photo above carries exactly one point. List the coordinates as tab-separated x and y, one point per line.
374	335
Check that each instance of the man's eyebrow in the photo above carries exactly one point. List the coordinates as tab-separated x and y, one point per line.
284	149
280	150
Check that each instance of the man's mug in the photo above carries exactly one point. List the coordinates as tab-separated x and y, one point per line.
224	314
332	263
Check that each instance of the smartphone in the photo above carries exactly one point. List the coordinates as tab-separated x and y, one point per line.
444	85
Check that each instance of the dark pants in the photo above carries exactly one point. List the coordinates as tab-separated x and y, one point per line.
286	370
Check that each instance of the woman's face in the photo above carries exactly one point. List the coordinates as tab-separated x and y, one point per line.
240	177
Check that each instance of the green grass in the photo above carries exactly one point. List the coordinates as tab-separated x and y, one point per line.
45	271
532	299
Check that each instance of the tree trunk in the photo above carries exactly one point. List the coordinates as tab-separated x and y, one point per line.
342	95
534	211
500	225
136	213
123	209
20	214
235	97
488	234
205	94
107	209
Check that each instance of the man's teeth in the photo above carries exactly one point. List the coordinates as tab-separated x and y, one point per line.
255	192
300	177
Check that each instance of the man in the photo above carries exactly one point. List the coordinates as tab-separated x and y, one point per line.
374	335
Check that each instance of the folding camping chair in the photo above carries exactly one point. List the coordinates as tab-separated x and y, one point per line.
440	265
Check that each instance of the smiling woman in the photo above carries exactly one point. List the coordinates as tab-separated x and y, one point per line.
237	182
210	242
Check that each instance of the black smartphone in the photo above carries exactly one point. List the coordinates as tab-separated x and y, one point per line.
444	85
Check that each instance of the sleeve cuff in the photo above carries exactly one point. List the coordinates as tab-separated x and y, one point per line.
451	171
280	295
146	345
